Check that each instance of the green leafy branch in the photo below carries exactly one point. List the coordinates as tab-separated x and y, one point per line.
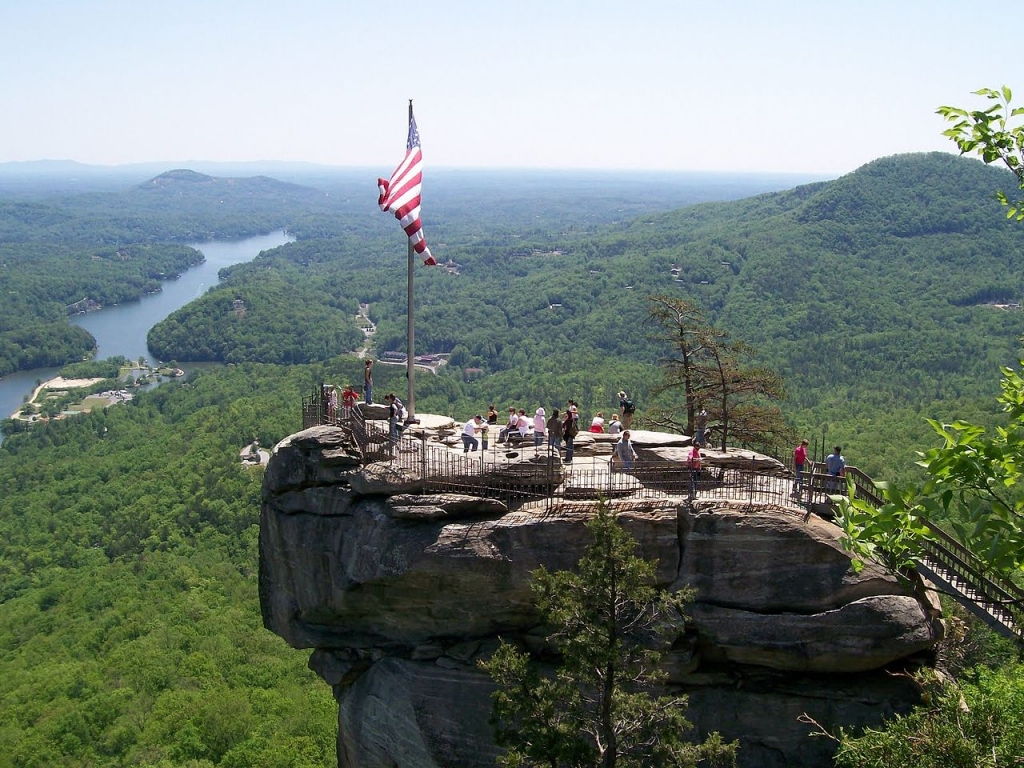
890	535
991	134
974	486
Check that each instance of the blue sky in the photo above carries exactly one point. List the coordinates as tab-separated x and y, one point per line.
815	86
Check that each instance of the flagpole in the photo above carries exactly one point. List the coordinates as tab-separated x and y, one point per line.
410	366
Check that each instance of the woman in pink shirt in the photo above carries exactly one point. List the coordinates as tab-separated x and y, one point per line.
693	462
799	459
539	423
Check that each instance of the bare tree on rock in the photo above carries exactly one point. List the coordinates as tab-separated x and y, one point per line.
709	370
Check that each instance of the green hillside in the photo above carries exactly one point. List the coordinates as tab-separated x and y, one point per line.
43	282
872	294
130	631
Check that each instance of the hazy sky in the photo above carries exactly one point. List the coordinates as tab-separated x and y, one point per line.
819	86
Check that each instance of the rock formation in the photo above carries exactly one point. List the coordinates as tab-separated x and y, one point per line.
401	592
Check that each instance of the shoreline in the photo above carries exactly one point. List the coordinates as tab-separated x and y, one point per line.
57	382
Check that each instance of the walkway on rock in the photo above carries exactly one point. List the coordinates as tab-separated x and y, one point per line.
523	474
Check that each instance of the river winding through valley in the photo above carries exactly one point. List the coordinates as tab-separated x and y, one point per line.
122	329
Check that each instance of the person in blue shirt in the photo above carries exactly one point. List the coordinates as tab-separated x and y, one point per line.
835	462
836	465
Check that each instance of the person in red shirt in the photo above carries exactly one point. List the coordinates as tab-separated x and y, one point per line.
348	402
799	459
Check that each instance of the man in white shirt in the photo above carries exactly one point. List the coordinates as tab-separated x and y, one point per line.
469	441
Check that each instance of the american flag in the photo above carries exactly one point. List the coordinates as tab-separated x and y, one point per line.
401	195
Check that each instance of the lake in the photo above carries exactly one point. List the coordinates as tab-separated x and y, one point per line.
122	329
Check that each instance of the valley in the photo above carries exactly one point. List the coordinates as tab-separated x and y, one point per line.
130	626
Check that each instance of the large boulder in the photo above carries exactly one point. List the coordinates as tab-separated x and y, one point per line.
733	458
772	559
401	593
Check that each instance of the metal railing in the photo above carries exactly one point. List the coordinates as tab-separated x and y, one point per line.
995	600
522	473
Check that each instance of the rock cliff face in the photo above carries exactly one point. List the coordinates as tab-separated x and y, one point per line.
400	594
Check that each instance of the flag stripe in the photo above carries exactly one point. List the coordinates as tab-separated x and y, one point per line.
400	195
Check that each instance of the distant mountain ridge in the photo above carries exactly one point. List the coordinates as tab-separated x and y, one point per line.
179	174
181	178
180	205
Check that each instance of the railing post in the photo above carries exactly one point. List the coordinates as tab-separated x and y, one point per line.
423	458
750	480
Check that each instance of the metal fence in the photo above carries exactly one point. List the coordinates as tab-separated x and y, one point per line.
522	474
991	597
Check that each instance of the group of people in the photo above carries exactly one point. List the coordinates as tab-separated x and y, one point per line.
329	401
329	398
560	429
835	466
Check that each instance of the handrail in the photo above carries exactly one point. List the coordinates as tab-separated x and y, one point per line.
998	591
865	486
992	595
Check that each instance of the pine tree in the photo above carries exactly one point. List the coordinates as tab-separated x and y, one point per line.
598	707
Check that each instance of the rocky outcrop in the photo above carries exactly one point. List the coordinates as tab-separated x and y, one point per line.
402	592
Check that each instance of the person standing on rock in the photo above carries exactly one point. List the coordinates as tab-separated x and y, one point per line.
625	451
332	405
628	408
700	427
539	423
368	381
469	441
799	460
394	413
555	431
325	403
835	462
693	464
348	402
570	428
